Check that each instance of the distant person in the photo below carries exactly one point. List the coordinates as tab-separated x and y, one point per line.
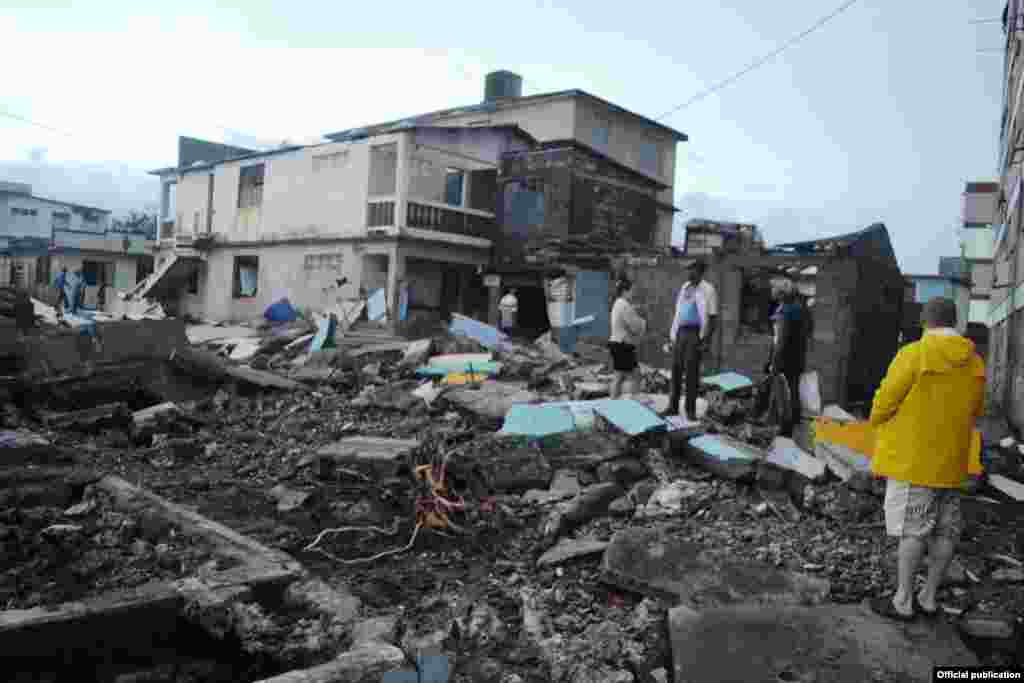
789	347
690	337
61	285
626	327
509	309
77	291
924	414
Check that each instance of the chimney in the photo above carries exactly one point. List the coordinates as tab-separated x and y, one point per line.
499	85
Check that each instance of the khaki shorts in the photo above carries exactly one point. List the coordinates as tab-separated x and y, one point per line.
920	512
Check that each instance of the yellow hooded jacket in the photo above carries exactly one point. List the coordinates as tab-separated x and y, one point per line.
925	411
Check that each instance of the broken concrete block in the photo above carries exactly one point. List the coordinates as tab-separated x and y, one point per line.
368	663
667	500
289	500
582	450
109	416
570	550
375	630
851	467
1008	575
725	456
661	565
490	399
332	601
1005	485
565	481
771	477
417	352
992	626
510	468
625	470
800	644
590	503
375	456
143	417
622	507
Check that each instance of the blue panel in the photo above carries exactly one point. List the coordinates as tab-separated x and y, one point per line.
632	417
714	447
433	669
376	305
558	418
728	381
488	336
926	290
324	335
489	368
593	298
540	420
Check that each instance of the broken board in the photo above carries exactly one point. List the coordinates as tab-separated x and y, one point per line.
379	455
852	467
728	382
725	456
1007	486
787	455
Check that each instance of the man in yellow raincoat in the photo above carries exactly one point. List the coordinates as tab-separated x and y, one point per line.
924	413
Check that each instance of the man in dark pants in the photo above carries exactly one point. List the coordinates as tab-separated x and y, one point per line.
789	347
690	336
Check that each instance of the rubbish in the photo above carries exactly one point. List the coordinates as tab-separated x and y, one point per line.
392	348
810	393
81	509
667	500
245	349
1007	486
631	417
488	336
592	502
728	382
204	334
1008	575
625	470
428	392
324	337
570	550
661	565
458	362
376	305
501	466
432	509
262	379
550	349
490	399
110	415
481	369
146	416
304	339
847	464
209	367
289	500
786	454
417	352
281	311
988	626
725	456
391	396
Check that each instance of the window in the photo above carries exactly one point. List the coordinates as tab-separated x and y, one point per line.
600	133
91	218
250	187
43	270
193	281
17	211
17	274
246	278
454	179
648	152
323	262
61	220
383	169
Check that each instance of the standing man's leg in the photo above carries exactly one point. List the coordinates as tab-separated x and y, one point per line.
693	354
941	546
793	380
678	366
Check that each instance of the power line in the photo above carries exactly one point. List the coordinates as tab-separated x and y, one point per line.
986	21
763	60
34	123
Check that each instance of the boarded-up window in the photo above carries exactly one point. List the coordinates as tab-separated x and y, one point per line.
383	169
43	270
250	186
246	276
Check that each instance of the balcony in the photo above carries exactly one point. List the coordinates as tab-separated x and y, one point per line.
465	222
380	214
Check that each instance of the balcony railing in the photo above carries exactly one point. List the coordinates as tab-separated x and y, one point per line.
453	221
380	214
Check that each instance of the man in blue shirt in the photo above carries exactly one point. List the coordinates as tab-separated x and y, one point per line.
690	337
61	284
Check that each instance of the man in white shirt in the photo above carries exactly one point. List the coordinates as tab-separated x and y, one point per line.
690	335
509	308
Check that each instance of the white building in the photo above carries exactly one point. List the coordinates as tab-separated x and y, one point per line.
979	214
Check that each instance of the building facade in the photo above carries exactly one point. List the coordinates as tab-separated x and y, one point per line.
450	207
978	218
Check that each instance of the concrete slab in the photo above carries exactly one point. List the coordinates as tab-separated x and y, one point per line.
378	455
570	550
835	643
657	564
724	456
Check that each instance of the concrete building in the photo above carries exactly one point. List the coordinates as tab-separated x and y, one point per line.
979	215
923	288
455	205
706	237
39	236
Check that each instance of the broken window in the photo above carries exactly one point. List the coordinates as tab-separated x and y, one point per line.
383	169
454	179
246	278
143	268
756	302
250	186
61	220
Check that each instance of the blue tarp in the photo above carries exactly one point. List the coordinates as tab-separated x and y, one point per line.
728	381
376	305
280	311
488	336
546	419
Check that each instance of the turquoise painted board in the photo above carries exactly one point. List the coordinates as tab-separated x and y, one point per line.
459	360
728	381
538	420
720	450
632	417
441	371
488	336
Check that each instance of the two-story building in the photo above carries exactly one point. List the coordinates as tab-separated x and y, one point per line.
451	206
39	236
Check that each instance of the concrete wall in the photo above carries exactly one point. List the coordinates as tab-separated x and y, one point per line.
625	139
544	120
41	224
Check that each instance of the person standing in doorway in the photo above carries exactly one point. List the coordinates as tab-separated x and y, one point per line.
924	414
690	337
789	347
61	285
509	309
626	327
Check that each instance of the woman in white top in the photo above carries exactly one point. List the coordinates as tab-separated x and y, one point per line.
626	326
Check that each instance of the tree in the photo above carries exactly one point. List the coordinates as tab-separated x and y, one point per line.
136	222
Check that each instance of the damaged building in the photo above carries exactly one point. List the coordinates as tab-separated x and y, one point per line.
442	211
851	284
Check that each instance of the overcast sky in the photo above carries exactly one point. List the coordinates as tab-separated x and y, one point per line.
881	115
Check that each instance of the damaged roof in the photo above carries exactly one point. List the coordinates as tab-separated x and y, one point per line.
363	131
876	232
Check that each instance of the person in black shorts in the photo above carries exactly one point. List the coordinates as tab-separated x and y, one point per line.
626	327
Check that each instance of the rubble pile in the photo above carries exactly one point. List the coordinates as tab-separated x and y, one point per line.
471	496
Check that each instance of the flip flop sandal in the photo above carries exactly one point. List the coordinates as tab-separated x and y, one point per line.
883	607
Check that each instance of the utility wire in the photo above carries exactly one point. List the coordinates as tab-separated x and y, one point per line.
34	123
761	61
985	21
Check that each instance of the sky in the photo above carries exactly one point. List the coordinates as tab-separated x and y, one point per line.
880	115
